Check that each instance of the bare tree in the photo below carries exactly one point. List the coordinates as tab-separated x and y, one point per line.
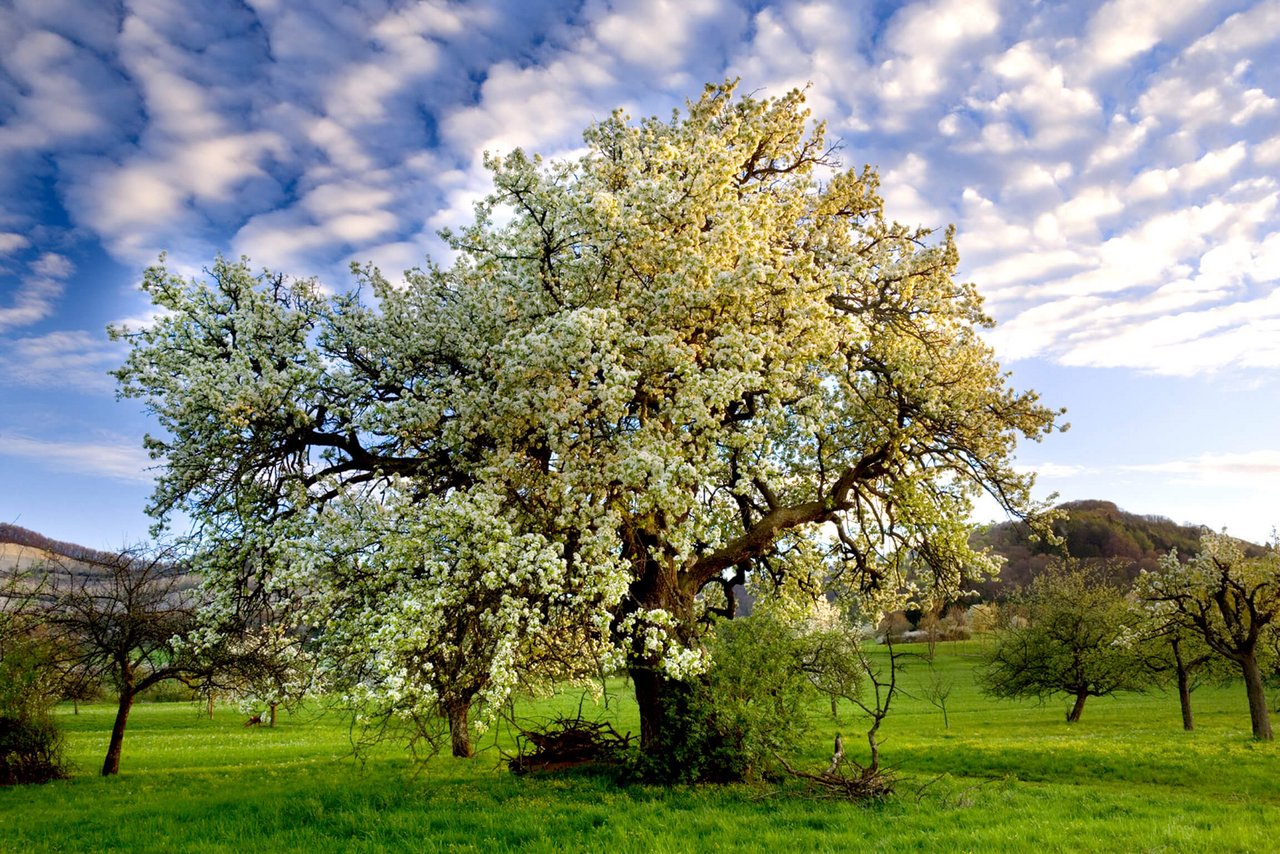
121	619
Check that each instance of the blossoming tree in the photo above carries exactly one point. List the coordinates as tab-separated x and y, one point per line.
1230	600
696	354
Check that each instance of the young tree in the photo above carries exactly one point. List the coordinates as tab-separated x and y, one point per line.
1081	638
679	359
1230	600
118	619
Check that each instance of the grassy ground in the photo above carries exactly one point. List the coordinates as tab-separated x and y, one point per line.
1002	776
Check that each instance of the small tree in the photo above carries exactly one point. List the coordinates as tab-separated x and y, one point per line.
118	619
1230	600
1080	639
1183	654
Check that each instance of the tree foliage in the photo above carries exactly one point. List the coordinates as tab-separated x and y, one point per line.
1081	637
694	355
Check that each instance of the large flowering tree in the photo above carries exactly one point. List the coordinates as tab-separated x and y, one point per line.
698	354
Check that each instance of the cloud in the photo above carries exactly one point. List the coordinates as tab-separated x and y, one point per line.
11	242
1243	31
119	460
64	359
1054	471
926	41
38	291
1248	468
1121	30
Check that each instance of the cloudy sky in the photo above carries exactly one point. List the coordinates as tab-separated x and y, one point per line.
1112	169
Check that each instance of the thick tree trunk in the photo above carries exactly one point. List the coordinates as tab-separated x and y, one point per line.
459	728
272	718
650	687
1077	709
112	763
1259	716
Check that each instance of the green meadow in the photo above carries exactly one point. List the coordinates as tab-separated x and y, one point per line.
1003	776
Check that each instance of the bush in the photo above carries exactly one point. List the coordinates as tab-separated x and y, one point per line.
751	707
30	742
30	750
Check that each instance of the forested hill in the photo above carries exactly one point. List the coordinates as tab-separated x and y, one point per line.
1094	530
31	539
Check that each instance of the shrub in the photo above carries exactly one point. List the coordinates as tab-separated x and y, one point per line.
30	750
751	707
30	741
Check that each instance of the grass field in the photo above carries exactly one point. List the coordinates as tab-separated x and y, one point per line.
1002	777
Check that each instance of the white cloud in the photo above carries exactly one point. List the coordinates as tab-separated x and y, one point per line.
925	42
63	359
1256	467
1054	471
11	242
1191	98
38	292
1121	30
657	35
122	460
1242	31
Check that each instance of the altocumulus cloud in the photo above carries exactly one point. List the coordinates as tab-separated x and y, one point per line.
1110	165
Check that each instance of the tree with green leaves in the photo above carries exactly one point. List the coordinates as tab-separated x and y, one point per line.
697	354
1081	637
1229	599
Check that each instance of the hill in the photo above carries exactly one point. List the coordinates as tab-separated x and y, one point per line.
14	535
1090	530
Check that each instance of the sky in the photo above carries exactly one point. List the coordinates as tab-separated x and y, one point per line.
1112	169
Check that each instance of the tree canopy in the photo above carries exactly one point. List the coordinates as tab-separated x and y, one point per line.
699	354
1081	637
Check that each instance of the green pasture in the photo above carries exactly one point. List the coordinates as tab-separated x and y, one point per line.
1003	776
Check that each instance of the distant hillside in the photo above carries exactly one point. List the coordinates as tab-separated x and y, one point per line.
1094	530
30	539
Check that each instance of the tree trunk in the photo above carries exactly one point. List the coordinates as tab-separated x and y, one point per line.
1077	709
1259	716
272	719
112	763
459	729
209	706
1184	689
651	698
664	704
1184	700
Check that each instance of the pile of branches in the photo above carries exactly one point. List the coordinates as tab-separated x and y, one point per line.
850	782
845	779
565	743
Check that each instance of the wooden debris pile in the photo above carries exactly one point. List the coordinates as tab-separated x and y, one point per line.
565	743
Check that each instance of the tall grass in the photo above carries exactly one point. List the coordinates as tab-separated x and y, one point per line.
1002	776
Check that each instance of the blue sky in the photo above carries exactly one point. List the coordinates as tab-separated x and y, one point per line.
1112	169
